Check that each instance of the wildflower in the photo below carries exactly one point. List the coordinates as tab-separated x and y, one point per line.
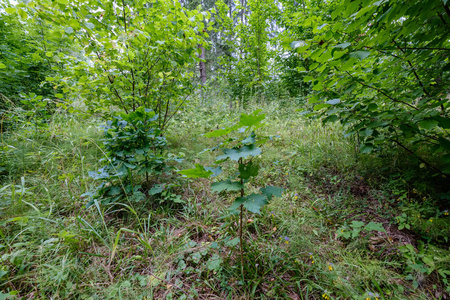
310	255
272	214
431	220
445	212
295	196
330	266
325	296
312	261
286	240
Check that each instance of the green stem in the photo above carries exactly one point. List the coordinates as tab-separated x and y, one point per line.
241	221
242	248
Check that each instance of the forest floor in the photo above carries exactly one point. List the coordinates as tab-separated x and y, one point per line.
348	225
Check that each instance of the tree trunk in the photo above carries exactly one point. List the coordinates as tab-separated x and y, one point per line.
202	65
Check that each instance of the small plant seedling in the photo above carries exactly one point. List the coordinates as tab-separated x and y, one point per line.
240	145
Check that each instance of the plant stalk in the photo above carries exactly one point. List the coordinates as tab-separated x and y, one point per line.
242	248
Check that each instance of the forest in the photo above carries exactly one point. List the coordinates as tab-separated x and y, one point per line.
225	149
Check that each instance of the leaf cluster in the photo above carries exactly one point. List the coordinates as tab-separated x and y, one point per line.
134	146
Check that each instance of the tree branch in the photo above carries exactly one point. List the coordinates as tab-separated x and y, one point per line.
381	91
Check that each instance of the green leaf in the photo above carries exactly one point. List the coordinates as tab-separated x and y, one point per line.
2	65
343	45
296	44
272	191
428	124
115	190
157	189
232	243
252	119
429	261
252	203
213	264
10	10
250	139
216	171
334	101
366	148
320	106
357	224
332	118
243	152
372	226
22	13
69	30
226	185
221	132
360	54
198	172
90	25
248	170
63	2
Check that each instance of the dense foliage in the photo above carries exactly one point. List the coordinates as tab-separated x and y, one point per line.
382	69
229	149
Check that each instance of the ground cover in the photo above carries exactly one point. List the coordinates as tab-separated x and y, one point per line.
348	226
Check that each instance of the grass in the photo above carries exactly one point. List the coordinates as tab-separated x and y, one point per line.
53	247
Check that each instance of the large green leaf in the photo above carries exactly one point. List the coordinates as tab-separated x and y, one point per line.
271	191
243	152
156	189
10	10
428	124
248	170
250	139
198	172
252	119
372	226
252	202
360	54
226	185
342	45
216	171
221	132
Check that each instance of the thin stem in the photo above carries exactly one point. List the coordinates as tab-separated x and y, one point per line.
241	242
241	221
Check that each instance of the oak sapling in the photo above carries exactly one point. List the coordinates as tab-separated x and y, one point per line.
241	146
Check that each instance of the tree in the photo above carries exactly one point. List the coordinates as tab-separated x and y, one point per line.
246	61
23	63
139	52
381	68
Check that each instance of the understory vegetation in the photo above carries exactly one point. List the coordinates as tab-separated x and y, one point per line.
238	149
344	227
